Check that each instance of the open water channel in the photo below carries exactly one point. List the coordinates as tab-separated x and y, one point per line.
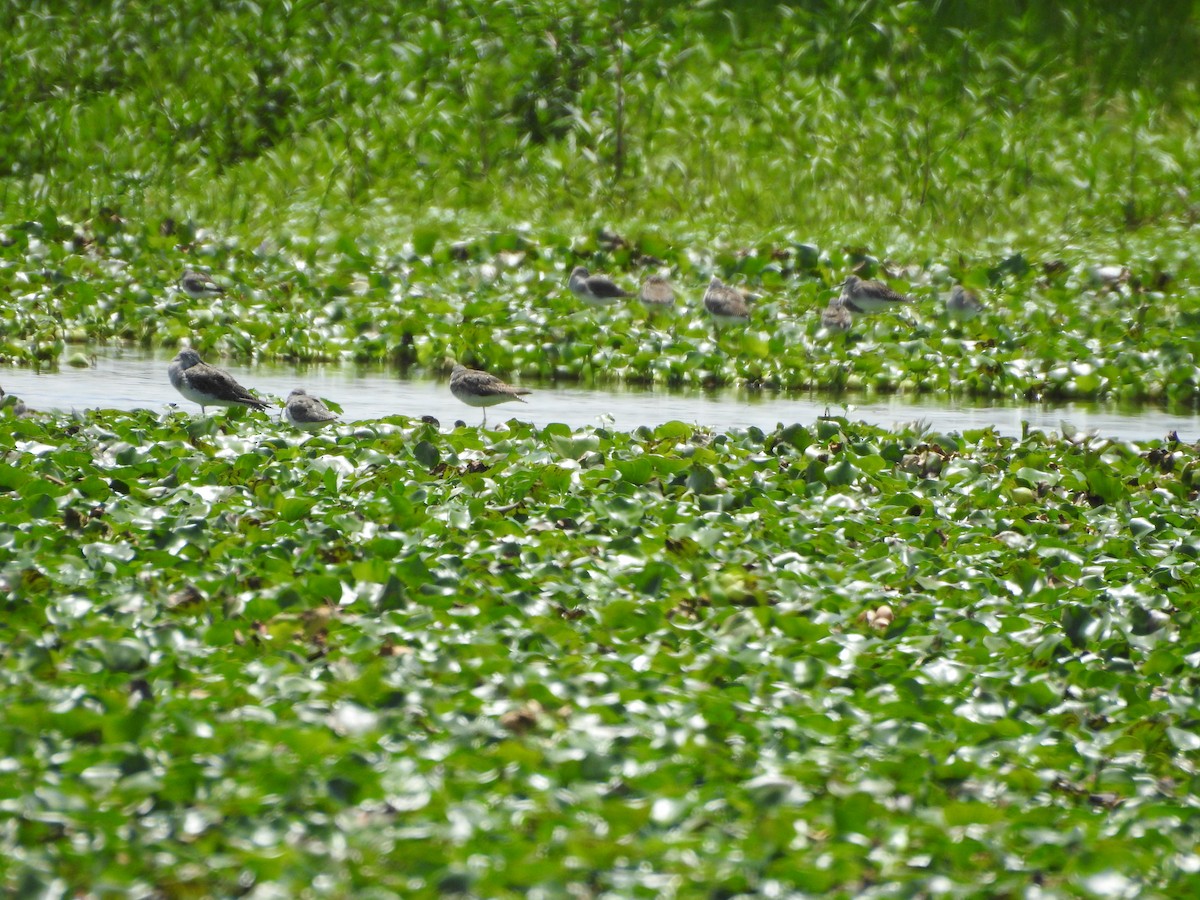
124	379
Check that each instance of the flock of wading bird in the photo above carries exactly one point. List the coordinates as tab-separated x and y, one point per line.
209	386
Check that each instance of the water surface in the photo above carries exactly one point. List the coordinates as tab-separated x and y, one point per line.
124	379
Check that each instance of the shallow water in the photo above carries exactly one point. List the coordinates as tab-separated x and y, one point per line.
131	379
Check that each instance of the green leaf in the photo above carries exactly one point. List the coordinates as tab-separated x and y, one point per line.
292	509
426	454
701	480
1103	484
424	240
122	655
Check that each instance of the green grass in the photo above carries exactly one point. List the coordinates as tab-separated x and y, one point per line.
911	128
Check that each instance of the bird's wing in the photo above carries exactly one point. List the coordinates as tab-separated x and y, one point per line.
601	286
881	291
491	386
310	409
217	383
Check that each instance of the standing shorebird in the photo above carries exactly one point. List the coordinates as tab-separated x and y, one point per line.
657	293
476	388
305	412
207	385
836	317
726	304
599	290
869	296
198	284
962	304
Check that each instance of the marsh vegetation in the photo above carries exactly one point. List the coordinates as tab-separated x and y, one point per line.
391	659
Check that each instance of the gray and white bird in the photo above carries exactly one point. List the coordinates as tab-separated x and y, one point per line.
869	296
481	389
836	318
198	284
305	412
207	385
657	293
599	290
962	304
727	305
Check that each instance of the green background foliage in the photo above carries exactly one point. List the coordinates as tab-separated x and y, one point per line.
941	123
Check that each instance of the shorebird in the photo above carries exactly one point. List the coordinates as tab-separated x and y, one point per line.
836	317
207	385
198	284
476	388
869	296
657	293
726	304
596	289
963	304
306	412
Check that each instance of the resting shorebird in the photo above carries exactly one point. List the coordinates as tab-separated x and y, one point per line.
657	292
197	284
963	304
207	385
836	317
306	412
476	388
596	289
726	304
869	296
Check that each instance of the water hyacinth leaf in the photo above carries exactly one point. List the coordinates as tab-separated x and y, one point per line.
673	431
653	577
424	240
701	480
394	594
1140	527
618	614
827	429
12	478
574	446
638	470
426	454
1184	739
122	655
1033	477
1148	621
840	473
1080	624
40	504
318	589
292	509
1103	484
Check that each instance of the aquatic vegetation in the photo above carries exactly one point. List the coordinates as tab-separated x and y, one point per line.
1051	331
384	659
521	660
388	184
